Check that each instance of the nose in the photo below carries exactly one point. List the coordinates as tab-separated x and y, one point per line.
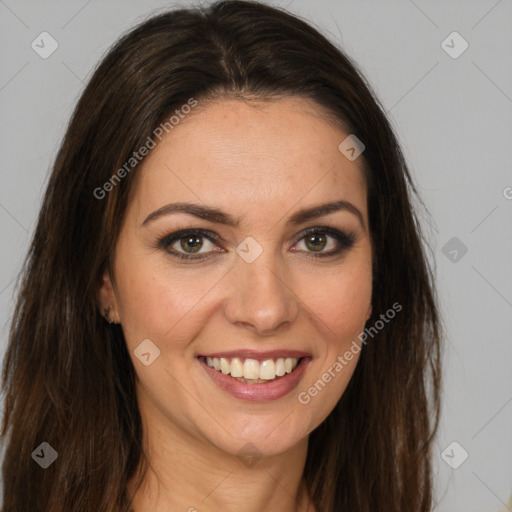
262	299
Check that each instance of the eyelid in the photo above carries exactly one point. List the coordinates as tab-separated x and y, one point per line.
176	235
327	230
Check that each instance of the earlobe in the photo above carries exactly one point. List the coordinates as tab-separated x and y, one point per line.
107	298
106	314
369	312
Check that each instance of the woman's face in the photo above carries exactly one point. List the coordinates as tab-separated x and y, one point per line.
260	295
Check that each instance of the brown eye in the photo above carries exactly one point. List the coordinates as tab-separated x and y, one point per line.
191	242
186	244
316	242
325	241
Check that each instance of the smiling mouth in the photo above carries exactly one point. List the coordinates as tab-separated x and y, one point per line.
253	371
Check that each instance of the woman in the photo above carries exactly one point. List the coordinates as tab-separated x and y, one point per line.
226	304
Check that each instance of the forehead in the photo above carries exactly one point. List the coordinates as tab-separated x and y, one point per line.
275	153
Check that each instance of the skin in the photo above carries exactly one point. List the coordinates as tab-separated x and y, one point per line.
260	162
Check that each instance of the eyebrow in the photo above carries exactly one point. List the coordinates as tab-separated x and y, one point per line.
218	216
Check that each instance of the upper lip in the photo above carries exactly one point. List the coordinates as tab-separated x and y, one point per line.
257	354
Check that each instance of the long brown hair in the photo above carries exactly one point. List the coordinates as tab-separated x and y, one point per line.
67	377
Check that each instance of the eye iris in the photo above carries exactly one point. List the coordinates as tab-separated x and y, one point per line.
316	243
194	241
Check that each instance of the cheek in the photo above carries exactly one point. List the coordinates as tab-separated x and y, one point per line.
341	302
341	308
156	300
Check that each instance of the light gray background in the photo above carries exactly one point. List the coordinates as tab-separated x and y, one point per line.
453	118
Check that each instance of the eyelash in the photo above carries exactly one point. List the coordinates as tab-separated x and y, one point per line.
345	241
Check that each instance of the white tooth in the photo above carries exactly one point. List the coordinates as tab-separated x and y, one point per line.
224	366
268	370
280	370
209	361
251	369
216	363
237	368
295	363
288	364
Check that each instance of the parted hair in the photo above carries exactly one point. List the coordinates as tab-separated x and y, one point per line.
68	379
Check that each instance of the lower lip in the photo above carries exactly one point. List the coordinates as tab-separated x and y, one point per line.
257	392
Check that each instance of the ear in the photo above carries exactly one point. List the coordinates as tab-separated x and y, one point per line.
107	298
369	312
